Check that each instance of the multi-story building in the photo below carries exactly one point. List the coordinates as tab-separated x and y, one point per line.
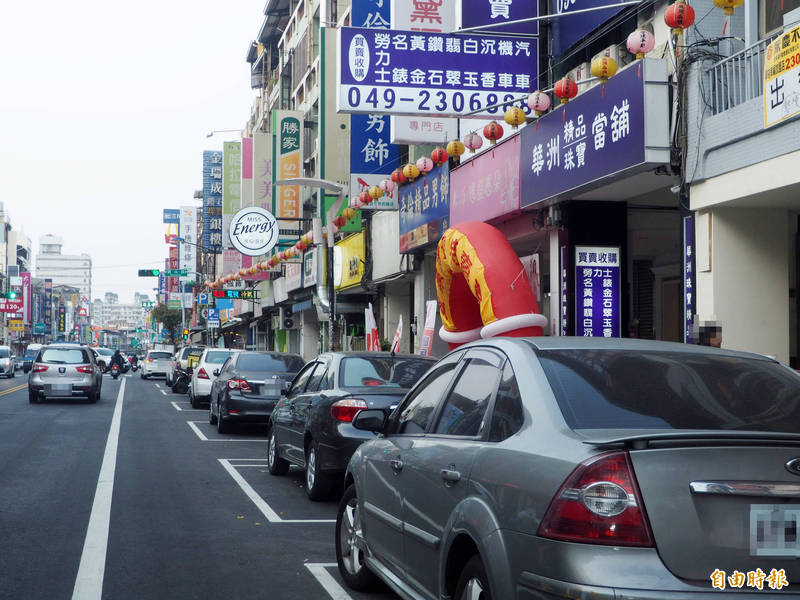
20	251
113	315
64	269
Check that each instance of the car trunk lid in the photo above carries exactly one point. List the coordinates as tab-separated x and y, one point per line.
378	397
265	383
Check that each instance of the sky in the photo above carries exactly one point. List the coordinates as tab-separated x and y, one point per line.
104	111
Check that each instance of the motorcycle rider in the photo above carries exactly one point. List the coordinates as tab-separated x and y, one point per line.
116	360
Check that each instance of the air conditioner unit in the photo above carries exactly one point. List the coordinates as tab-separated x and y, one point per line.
287	319
580	73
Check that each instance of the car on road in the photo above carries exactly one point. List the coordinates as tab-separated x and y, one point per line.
31	351
18	362
311	426
203	374
180	361
248	385
64	371
557	467
7	364
156	362
103	357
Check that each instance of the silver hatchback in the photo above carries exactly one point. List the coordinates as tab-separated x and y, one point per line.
64	371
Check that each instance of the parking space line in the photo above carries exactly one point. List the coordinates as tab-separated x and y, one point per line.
164	392
200	434
326	580
260	503
175	404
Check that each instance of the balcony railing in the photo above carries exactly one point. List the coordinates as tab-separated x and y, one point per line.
738	78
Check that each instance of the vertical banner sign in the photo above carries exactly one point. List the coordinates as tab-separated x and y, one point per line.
688	279
48	306
262	171
173	264
372	156
424	209
288	151
37	309
188	248
247	172
62	318
212	201
426	342
597	295
398	335
231	186
564	283
26	297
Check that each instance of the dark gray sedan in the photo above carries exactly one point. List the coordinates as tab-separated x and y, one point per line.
248	385
580	468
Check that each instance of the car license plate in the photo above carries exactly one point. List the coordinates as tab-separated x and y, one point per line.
60	390
774	530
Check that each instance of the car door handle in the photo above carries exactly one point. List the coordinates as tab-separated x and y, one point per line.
450	475
397	464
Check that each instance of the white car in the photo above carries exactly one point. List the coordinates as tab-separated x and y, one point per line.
6	362
102	357
155	363
203	374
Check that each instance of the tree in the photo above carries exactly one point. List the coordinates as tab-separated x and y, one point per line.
170	319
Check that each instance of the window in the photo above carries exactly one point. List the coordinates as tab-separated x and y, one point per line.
507	416
217	357
274	363
4	353
153	355
469	399
301	380
359	371
315	383
419	408
771	14
63	356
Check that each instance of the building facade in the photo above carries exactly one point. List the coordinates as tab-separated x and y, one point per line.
64	269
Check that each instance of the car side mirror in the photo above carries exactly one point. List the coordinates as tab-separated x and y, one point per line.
26	368
216	372
370	419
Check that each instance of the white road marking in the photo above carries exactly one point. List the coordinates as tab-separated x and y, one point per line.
175	404
326	580
164	392
196	429
89	582
199	433
260	503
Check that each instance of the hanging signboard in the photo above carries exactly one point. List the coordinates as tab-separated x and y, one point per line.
253	231
48	306
564	282
10	306
475	13
187	249
236	294
288	152
309	268
231	185
688	279
212	201
412	73
597	291
172	215
424	209
782	78
262	170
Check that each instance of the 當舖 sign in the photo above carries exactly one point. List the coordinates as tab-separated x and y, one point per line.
414	72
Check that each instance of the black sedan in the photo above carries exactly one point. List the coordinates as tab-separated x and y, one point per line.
248	385
311	427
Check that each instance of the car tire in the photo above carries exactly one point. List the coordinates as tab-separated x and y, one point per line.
473	582
212	420
11	375
222	424
350	553
192	401
275	464
33	397
142	375
318	484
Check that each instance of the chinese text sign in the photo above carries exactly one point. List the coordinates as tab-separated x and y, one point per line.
597	291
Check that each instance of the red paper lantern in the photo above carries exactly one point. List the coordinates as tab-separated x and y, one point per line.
493	132
301	245
398	176
565	89
339	221
679	16
364	197
439	155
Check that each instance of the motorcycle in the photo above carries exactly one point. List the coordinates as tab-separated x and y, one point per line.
115	371
182	381
135	367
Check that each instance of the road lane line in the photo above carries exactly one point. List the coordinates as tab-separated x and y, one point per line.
89	582
14	389
163	392
326	580
175	404
196	429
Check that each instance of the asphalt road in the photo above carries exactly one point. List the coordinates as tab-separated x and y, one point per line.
151	504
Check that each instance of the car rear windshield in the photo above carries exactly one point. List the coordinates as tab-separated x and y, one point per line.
615	389
360	371
4	353
31	352
274	363
156	355
63	356
217	357
191	351
104	351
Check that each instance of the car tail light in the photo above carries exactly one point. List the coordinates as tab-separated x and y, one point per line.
40	368
599	503
201	374
239	384
346	410
84	369
149	360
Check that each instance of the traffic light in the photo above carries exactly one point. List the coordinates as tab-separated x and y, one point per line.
10	295
185	334
149	272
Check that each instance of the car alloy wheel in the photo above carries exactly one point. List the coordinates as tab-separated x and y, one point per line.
351	548
318	483
311	468
473	584
275	464
211	418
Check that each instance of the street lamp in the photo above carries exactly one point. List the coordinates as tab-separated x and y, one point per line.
213	131
327	297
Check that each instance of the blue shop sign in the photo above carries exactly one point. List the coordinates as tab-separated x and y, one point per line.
598	137
172	215
475	13
424	209
597	291
688	279
568	30
212	201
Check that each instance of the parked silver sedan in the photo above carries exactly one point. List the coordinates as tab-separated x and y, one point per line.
64	371
580	468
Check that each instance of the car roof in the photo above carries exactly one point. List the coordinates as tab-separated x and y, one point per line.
366	354
64	345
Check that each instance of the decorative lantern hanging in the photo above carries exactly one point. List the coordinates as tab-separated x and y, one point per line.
348	213
679	16
473	141
455	149
439	155
539	102
411	171
565	89
375	192
357	203
398	176
514	116
604	67
728	6
340	221
424	164
640	42
386	186
364	197
493	132
301	245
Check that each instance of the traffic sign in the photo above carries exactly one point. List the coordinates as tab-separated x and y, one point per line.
202	298
213	318
175	272
148	304
39	328
173	304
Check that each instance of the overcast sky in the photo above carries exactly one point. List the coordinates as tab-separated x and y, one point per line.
104	110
